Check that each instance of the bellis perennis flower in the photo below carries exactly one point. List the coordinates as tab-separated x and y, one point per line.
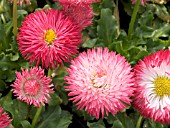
100	81
152	94
4	119
32	86
49	37
80	14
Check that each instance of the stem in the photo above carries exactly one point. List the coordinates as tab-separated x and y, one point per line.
36	116
15	17
49	72
133	18
139	122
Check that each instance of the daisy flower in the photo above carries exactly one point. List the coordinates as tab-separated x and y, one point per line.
4	119
49	37
152	94
80	14
32	86
100	81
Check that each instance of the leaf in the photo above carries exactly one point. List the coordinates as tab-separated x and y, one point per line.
89	44
25	124
6	63
107	28
98	124
54	117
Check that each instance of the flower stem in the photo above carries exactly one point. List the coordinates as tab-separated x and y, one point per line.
36	116
139	122
133	18
15	17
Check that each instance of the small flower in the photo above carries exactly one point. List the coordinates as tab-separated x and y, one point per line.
142	2
152	94
4	119
100	81
21	3
49	37
32	86
80	14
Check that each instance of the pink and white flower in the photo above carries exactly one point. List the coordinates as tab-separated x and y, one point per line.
100	81
152	83
32	86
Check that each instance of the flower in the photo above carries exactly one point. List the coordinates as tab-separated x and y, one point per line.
32	86
4	119
82	2
100	81
152	94
49	37
21	3
142	2
80	14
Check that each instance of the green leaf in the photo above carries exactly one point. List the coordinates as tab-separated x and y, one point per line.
54	117
89	44
20	112
107	28
54	100
98	124
6	63
117	124
25	124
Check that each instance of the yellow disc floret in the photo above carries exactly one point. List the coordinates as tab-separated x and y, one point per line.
50	36
162	86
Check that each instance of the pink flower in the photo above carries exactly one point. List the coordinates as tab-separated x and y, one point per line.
82	2
49	37
32	86
142	2
152	94
4	119
80	14
100	81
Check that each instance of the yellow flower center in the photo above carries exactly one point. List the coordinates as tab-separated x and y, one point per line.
50	36
162	86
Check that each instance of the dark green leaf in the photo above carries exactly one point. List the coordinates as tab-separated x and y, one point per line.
107	28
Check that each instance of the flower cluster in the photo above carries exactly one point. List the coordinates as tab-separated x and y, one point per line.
99	81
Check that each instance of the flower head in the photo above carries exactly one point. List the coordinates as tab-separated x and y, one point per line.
100	81
4	119
82	2
142	2
152	94
32	86
21	3
80	14
49	37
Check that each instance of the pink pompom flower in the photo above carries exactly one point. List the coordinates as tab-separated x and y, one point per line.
100	81
32	86
5	121
80	14
152	93
49	37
